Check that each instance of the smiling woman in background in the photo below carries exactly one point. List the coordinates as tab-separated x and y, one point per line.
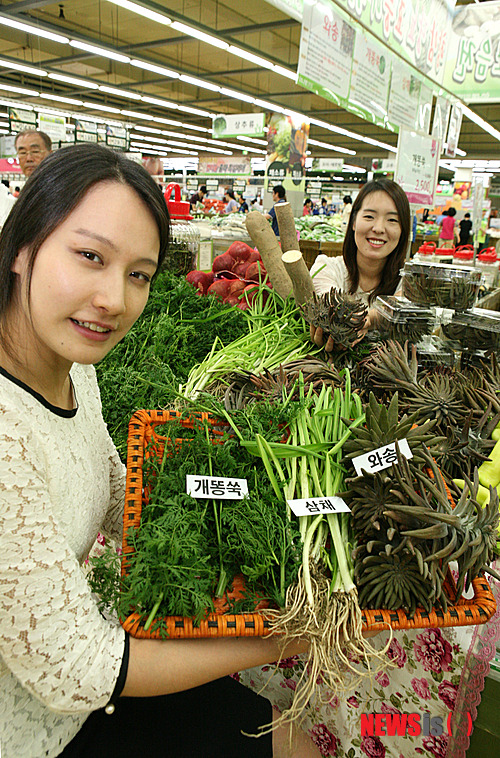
374	249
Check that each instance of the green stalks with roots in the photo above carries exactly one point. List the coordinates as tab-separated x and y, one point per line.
322	606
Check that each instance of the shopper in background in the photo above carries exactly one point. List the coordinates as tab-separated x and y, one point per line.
308	206
346	211
243	204
279	196
16	192
465	228
76	272
231	202
198	196
447	231
323	209
374	249
32	147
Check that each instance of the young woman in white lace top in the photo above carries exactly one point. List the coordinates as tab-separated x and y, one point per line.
77	256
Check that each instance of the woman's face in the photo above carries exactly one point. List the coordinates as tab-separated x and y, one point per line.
376	227
90	279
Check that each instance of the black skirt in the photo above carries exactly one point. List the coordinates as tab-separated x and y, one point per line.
204	722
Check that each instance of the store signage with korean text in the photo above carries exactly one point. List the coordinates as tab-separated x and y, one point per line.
54	126
85	131
116	136
442	109
21	119
417	164
230	166
473	63
235	124
328	164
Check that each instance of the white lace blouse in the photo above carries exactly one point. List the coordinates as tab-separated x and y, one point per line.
61	481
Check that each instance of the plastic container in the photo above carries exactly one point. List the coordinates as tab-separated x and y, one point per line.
476	329
399	319
435	353
425	252
463	256
184	242
487	263
441	285
443	255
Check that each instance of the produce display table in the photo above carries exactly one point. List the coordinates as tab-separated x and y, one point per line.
310	249
438	671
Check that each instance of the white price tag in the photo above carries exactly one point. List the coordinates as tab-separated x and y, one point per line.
381	458
312	506
219	487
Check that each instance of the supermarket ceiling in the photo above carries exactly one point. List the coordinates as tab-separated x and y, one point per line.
162	70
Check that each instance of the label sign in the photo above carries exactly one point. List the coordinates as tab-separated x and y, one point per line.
312	506
417	165
381	458
219	487
234	124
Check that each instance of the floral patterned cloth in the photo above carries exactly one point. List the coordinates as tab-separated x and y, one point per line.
438	672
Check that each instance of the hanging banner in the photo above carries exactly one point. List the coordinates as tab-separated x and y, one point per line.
454	127
229	166
424	109
417	165
286	151
54	126
369	88
404	96
472	68
440	122
235	124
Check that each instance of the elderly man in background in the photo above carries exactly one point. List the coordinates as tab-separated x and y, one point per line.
32	147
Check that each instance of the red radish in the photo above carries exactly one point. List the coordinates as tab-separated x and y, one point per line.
236	287
220	288
243	305
249	292
200	279
240	269
231	300
240	251
223	262
254	256
255	270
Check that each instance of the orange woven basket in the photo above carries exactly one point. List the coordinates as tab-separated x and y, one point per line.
143	441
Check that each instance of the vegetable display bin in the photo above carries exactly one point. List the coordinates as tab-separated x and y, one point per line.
184	240
143	442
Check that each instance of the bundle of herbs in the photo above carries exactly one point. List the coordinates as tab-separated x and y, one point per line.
145	369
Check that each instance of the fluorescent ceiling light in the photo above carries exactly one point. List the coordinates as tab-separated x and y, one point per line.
142	11
472	116
67	100
4	131
195	111
151	129
21	67
199	82
20	90
192	32
353	135
156	69
237	95
15	104
101	107
250	57
252	139
119	92
327	146
169	121
158	101
135	114
150	138
285	72
72	80
100	51
353	169
33	30
268	106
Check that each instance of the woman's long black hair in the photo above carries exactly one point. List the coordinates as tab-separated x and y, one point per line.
390	274
54	190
